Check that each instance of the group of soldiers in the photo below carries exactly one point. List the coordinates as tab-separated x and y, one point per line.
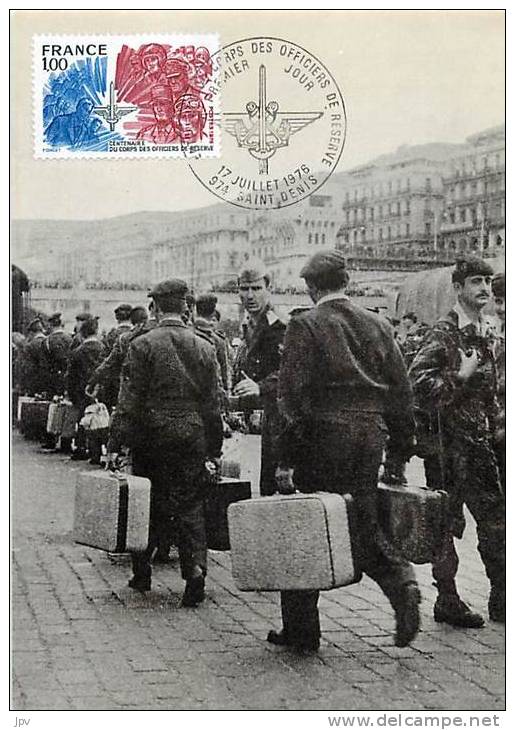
338	402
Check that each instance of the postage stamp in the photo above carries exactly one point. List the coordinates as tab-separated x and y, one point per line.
283	124
125	96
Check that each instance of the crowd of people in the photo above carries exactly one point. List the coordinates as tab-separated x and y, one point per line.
344	398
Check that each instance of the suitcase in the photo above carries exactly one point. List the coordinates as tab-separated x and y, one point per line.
221	494
414	520
293	542
112	511
21	400
33	418
70	417
54	424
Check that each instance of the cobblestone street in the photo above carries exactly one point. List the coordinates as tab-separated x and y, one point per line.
82	639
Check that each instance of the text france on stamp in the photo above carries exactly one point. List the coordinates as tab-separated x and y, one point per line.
283	124
125	96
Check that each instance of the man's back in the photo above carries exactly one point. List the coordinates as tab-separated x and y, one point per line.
340	356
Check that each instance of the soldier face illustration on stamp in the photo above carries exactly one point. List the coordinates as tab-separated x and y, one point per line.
283	124
124	96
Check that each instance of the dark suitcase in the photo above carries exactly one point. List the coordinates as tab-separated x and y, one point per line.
221	494
70	418
414	520
33	418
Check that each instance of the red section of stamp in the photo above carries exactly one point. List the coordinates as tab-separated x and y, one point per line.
167	85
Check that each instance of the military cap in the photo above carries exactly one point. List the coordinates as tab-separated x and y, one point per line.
470	266
170	288
323	262
123	309
252	270
55	318
83	316
499	285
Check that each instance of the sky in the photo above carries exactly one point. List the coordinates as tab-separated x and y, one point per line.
407	77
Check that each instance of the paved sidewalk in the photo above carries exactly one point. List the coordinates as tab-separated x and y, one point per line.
83	640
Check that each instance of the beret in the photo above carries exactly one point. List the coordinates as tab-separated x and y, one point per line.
170	287
83	316
54	318
323	262
470	266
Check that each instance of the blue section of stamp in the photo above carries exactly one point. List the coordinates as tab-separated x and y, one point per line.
70	101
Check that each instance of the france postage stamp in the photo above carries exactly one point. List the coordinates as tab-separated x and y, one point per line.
125	96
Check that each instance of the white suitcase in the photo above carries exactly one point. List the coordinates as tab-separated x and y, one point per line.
293	542
112	511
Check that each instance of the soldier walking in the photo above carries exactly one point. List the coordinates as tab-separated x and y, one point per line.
455	385
168	414
343	387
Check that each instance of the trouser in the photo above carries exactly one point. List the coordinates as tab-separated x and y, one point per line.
344	456
177	503
269	436
472	479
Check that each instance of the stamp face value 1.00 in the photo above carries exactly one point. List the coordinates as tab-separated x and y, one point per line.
125	96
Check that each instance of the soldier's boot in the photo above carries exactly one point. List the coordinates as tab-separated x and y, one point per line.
194	590
450	609
497	604
142	579
407	615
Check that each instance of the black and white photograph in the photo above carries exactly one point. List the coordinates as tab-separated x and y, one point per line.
258	372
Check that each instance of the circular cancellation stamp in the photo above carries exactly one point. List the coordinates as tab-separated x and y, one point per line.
283	124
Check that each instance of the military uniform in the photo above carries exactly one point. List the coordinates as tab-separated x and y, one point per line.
57	348
343	388
460	416
168	413
259	358
35	365
206	328
109	372
83	361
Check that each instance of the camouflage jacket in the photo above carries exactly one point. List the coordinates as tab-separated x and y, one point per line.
466	410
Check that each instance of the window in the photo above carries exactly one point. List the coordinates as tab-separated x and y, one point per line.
380	234
316	239
407	229
407	183
310	238
398	207
428	183
389	232
428	228
463	215
408	208
323	239
452	217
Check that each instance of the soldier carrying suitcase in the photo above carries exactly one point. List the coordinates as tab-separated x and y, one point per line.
455	384
168	414
342	387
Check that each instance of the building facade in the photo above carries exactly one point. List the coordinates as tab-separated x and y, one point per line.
474	188
414	208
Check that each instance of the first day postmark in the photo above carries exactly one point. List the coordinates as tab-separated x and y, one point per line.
125	96
283	124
